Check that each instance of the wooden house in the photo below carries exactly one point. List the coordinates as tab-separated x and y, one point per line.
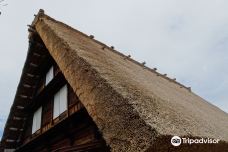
78	94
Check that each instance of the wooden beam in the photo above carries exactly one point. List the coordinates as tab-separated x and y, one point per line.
19	118
30	26
28	86
36	54
20	107
15	129
31	30
30	75
91	36
23	96
10	140
126	57
143	63
33	65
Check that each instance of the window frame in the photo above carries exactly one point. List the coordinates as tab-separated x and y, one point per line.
37	119
60	99
49	75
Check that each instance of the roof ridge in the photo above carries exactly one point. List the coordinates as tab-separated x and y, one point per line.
110	48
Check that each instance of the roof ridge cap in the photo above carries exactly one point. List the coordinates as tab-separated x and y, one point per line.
40	14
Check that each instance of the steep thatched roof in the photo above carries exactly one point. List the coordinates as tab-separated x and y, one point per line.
131	105
134	107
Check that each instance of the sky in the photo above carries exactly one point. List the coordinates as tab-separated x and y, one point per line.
186	39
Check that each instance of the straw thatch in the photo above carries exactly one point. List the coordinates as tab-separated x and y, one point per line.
134	107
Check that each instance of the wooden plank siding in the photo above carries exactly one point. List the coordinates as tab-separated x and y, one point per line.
47	115
28	129
77	133
72	130
48	122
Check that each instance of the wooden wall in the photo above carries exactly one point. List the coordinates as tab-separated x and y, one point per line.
77	133
73	130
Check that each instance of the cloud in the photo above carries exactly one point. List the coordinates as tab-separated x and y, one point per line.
185	39
2	124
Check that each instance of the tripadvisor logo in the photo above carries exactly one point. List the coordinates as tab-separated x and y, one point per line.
176	141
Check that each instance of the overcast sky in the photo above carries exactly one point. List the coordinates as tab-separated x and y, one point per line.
187	39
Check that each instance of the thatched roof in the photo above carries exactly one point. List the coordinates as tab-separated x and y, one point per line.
134	107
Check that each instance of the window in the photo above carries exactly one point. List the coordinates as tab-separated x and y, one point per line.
36	120
49	75
60	102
